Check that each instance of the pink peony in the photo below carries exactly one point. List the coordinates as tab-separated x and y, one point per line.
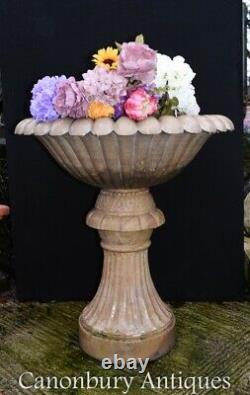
137	61
140	104
70	100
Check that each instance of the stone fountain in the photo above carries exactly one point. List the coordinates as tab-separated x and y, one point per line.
124	158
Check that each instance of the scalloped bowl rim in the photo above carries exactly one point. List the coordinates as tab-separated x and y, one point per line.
124	126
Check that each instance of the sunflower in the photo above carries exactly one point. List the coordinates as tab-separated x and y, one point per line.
107	58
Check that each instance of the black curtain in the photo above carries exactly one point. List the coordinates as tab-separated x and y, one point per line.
198	254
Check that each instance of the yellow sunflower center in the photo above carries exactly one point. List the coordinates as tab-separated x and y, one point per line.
109	62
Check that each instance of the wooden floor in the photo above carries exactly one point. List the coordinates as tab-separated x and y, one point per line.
212	340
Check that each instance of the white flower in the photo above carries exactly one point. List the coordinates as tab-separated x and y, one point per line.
177	76
176	73
163	65
180	74
186	98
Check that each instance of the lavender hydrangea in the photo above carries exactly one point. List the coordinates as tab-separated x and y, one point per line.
43	93
105	86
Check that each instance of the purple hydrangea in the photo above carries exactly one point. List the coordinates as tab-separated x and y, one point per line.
119	110
104	85
43	93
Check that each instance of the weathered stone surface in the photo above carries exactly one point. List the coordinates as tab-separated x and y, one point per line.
126	316
124	126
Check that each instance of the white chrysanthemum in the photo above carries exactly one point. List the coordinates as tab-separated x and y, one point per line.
186	98
163	65
180	74
176	73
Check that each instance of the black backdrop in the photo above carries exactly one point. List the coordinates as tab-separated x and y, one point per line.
198	254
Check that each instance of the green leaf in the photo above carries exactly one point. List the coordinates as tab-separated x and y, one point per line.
139	39
118	45
161	90
168	106
175	101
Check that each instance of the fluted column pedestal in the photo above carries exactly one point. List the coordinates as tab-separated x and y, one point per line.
127	316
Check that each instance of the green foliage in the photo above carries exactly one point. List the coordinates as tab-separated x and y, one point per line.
139	39
168	106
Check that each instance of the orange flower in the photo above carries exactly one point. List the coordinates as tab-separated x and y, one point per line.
98	109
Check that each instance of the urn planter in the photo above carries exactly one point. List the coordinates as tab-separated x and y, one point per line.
124	158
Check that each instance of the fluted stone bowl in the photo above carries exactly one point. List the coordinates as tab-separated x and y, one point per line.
123	153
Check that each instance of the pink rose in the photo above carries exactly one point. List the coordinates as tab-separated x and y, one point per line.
140	104
70	100
137	61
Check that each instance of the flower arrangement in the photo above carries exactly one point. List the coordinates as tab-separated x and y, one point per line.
132	80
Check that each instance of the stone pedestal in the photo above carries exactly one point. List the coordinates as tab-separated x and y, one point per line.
127	316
